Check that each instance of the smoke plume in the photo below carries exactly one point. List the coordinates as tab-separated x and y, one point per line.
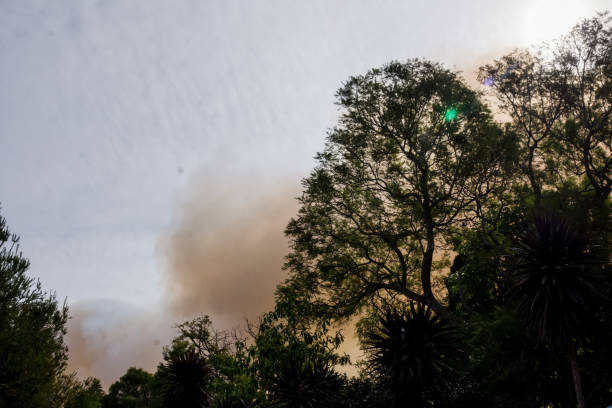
105	338
224	258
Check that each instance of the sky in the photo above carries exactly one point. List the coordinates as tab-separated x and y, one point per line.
152	150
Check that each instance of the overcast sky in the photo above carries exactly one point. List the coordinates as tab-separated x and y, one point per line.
151	149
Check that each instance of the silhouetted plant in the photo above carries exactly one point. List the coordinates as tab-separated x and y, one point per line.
230	401
303	383
184	378
414	350
557	278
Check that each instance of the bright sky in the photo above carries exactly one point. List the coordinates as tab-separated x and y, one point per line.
121	122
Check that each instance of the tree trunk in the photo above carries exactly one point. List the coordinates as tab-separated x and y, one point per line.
576	375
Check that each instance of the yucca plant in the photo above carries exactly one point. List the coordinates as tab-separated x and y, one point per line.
185	377
414	349
303	382
227	400
557	285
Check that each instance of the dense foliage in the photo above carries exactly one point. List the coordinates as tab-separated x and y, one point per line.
32	326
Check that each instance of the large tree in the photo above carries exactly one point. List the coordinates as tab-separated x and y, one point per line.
559	101
32	327
415	157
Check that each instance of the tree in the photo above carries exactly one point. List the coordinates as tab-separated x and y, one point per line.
531	93
583	58
227	355
32	327
415	157
135	389
557	288
559	99
82	394
294	361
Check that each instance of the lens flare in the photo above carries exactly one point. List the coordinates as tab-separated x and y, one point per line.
450	114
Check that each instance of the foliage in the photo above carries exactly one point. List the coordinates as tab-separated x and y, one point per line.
280	340
135	389
415	350
184	380
227	355
396	179
560	102
557	285
557	279
32	326
302	382
85	394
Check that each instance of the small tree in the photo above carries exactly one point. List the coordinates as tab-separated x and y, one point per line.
32	327
135	389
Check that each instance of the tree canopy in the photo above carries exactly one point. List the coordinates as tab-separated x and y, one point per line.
32	327
415	156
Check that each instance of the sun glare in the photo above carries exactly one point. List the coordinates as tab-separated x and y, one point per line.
547	19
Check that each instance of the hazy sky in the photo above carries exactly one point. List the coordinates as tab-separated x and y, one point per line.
151	149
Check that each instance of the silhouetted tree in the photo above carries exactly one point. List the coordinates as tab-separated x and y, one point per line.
135	389
414	157
32	327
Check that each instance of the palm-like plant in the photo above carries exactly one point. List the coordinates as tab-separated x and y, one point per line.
229	401
184	378
414	350
303	382
556	285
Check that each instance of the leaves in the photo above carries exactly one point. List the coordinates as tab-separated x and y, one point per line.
414	349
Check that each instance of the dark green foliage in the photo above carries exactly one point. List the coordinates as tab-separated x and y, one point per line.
302	382
558	280
184	379
558	286
32	327
414	349
227	355
86	394
229	401
135	389
395	181
364	392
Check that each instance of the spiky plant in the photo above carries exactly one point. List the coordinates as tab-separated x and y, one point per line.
414	350
229	401
184	378
556	277
303	383
556	288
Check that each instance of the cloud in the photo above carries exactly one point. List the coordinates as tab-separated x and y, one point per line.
224	257
106	337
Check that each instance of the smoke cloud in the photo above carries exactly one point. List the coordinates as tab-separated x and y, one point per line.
107	337
224	257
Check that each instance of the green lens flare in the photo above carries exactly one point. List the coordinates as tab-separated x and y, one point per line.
450	114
